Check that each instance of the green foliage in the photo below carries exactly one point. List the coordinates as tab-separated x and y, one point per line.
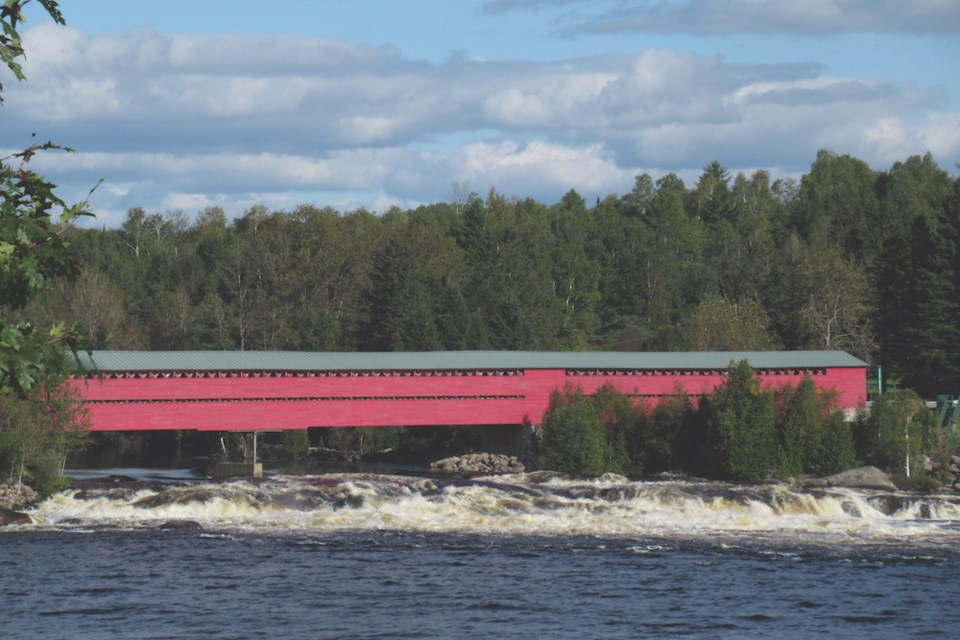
837	205
666	436
932	291
742	432
883	432
572	436
590	435
33	253
36	436
296	443
621	423
743	425
891	434
834	310
812	437
11	44
39	421
718	324
836	451
799	428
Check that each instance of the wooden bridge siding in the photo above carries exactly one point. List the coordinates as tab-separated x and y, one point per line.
271	415
263	387
215	403
850	384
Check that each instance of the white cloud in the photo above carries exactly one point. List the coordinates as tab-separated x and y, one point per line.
513	107
539	167
184	121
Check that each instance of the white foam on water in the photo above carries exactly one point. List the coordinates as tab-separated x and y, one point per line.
515	505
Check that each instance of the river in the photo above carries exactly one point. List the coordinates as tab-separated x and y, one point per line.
529	555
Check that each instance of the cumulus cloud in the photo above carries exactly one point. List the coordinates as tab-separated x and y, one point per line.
175	121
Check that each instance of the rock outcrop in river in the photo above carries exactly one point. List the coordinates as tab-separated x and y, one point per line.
859	478
16	498
479	463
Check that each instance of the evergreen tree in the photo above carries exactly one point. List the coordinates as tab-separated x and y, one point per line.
798	430
932	331
399	310
662	438
836	451
621	421
813	439
572	436
743	424
713	200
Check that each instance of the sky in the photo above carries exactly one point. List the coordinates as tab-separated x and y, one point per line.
186	104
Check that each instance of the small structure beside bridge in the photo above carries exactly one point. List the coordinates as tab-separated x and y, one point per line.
265	391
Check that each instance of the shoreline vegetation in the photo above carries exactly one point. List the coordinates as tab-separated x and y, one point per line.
744	432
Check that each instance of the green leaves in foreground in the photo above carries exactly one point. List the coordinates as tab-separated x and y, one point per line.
33	254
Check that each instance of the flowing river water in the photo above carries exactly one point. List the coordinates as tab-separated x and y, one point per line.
530	555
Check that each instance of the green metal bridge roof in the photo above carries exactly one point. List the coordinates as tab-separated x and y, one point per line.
449	360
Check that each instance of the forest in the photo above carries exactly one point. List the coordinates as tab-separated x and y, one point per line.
846	257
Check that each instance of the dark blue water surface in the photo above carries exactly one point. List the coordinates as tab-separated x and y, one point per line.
201	584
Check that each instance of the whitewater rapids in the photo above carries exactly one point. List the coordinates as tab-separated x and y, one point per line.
523	504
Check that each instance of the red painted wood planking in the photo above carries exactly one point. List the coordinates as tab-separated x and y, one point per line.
259	403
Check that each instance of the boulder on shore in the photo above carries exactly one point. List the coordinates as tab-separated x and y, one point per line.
9	516
479	463
858	478
15	497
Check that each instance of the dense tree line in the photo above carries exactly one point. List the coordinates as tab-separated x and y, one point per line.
845	258
742	432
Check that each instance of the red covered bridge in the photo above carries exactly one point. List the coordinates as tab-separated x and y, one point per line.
264	391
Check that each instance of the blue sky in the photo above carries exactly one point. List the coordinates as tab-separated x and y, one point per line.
180	105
